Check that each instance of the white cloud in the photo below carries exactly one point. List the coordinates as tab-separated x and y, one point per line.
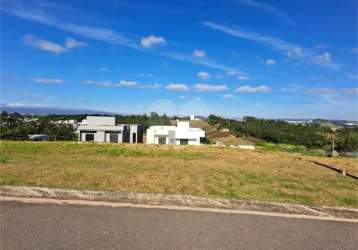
199	53
13	104
243	78
182	97
126	83
270	62
44	13
200	61
238	74
290	50
145	75
249	89
352	76
228	96
151	86
320	91
322	59
350	91
41	44
197	98
268	8
204	75
177	87
71	43
105	84
88	82
210	88
123	83
291	89
150	41
48	80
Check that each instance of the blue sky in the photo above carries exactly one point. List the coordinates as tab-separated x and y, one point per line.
266	58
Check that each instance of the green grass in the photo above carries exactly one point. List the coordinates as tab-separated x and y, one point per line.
202	171
291	148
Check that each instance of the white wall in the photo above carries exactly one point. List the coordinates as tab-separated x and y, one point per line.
154	131
99	136
182	131
101	120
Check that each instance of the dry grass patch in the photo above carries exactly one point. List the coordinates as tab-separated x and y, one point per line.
203	171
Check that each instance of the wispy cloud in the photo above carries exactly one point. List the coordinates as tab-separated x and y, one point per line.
150	41
71	43
289	50
40	12
250	89
350	91
88	82
126	83
203	75
52	47
352	77
228	96
148	75
180	87
199	53
42	44
105	84
151	86
269	62
122	83
200	61
210	88
47	80
237	74
268	8
321	91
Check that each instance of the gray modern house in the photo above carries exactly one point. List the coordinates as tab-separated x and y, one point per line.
105	129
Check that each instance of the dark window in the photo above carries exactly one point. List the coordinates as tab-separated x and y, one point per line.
89	137
162	140
134	138
113	137
184	141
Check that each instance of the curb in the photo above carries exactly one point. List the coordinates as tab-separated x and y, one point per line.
178	200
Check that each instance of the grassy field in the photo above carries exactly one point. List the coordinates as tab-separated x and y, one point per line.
202	171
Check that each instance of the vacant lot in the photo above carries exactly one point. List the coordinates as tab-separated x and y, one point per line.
201	171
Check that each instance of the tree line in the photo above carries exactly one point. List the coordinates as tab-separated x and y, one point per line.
15	126
311	135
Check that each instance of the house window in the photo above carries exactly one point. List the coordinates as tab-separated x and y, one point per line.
89	137
184	141
162	140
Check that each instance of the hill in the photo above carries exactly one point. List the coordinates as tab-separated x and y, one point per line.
222	136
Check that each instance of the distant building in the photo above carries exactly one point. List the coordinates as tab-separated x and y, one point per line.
194	118
182	134
105	129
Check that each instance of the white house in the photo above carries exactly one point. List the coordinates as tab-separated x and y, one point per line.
194	118
105	129
182	134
